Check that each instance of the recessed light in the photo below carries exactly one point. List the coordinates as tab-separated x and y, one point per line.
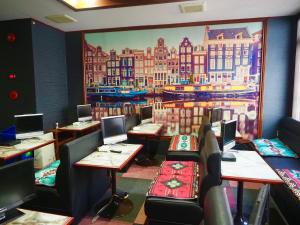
61	18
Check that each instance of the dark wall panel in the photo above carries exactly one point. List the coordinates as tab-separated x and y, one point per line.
75	76
279	73
16	58
50	67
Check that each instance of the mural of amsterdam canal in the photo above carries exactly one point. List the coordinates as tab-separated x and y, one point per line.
180	71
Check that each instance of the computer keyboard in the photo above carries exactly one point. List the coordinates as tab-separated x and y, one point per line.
103	148
29	135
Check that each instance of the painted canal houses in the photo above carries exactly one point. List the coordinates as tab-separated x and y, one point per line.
201	66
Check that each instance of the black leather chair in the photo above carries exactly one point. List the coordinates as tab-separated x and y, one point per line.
190	212
76	189
211	165
191	155
216	207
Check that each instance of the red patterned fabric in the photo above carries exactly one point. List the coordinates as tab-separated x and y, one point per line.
184	143
174	186
186	168
292	179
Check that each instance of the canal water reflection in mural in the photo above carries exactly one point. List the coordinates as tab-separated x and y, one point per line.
179	70
185	116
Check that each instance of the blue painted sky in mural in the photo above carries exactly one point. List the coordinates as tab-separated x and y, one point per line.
136	39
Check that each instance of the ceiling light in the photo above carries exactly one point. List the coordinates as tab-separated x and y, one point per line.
193	7
61	18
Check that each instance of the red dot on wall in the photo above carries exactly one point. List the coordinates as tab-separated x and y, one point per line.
13	95
11	37
12	76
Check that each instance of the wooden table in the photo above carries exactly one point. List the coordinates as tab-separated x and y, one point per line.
27	145
249	167
104	159
36	218
72	132
148	132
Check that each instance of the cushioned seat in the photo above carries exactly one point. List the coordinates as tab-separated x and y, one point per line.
171	210
47	175
286	200
174	186
273	147
186	168
191	149
76	189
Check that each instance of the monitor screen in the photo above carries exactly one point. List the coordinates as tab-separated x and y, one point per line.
146	113
216	115
17	186
113	129
28	123
84	112
228	131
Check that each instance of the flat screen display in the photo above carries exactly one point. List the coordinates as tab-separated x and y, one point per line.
29	123
146	112
228	131
17	183
216	115
84	112
113	126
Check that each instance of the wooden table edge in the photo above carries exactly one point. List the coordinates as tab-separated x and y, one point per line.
78	130
252	180
131	132
118	168
28	150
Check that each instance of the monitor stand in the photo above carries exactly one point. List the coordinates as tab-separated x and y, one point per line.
10	215
228	156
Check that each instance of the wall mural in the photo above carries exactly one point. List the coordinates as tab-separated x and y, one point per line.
180	71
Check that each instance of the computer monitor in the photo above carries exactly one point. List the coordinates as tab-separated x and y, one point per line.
228	131
146	114
215	116
113	129
29	125
17	187
84	112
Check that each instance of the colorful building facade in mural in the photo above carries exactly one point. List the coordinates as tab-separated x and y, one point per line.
225	63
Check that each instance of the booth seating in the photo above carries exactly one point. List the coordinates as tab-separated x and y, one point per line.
184	205
75	190
286	196
216	207
188	147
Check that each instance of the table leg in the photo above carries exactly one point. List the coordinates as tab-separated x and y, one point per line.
267	215
115	200
239	205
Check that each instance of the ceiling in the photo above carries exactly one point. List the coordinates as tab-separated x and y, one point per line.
145	15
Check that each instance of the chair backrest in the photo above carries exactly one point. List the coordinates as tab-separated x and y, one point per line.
289	133
216	207
211	165
72	182
204	127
